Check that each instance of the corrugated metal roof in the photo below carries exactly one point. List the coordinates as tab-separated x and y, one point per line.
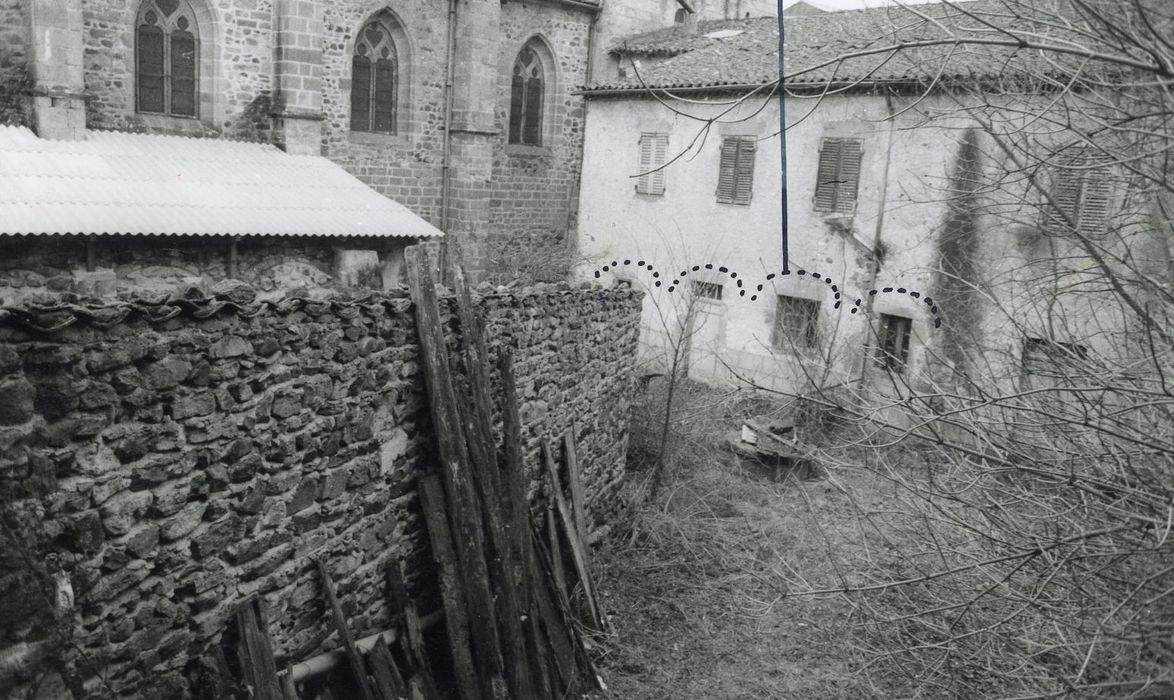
121	183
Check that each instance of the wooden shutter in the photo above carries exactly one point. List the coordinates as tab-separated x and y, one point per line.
1065	196
826	186
744	170
644	182
848	175
383	106
183	74
726	177
532	122
360	93
659	154
1095	195
149	73
517	97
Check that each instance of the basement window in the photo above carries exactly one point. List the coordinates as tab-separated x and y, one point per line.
893	349
796	323
707	290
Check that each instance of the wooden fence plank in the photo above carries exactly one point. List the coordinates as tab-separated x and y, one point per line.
255	652
344	632
388	679
505	564
431	495
465	512
575	482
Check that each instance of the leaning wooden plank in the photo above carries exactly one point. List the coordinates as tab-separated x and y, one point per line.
515	486
431	495
477	414
254	651
388	679
565	523
413	633
555	549
344	632
464	511
288	690
554	624
575	482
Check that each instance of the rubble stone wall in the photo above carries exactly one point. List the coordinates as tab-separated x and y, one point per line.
156	471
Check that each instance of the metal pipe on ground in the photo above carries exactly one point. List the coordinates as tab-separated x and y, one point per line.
332	659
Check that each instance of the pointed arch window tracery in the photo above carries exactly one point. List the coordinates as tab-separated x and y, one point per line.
526	96
167	55
374	80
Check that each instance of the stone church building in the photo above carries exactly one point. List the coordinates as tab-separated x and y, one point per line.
462	113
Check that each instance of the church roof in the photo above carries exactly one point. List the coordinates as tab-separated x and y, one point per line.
139	184
725	54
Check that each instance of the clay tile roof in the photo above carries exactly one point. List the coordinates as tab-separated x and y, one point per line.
745	51
121	183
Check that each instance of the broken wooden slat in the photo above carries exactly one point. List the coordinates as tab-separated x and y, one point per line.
413	633
431	495
255	652
344	632
578	553
556	552
464	511
288	691
388	679
555	624
575	482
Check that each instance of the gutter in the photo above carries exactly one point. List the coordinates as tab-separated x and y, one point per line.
445	164
639	90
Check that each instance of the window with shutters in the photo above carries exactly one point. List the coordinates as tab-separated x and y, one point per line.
796	323
375	80
653	151
167	57
526	95
1081	194
838	175
735	182
893	348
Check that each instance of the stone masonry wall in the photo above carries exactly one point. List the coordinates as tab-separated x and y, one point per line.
13	62
153	474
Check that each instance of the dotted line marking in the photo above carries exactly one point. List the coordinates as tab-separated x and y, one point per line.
742	288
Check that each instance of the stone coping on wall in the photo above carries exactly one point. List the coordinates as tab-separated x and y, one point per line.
51	315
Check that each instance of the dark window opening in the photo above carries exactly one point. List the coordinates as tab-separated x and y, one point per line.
167	57
796	323
374	81
526	93
707	290
893	349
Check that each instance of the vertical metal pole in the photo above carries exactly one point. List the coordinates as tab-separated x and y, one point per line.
783	229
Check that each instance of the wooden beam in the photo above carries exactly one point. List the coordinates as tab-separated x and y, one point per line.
388	679
575	482
578	555
344	632
431	495
255	652
413	634
465	512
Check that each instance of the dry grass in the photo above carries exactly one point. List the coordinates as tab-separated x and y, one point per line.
699	588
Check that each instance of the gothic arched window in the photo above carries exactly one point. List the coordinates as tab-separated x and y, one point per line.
374	80
166	58
526	99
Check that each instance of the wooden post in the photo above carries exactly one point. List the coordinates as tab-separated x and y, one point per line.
254	651
91	253
344	632
465	512
232	257
431	495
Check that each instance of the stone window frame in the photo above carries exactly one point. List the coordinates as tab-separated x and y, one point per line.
552	113
209	99
405	111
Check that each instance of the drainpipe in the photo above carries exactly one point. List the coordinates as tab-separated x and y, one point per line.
591	40
880	221
445	165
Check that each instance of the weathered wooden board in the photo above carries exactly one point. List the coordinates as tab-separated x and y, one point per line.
389	681
565	523
431	495
464	510
255	652
574	480
344	632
